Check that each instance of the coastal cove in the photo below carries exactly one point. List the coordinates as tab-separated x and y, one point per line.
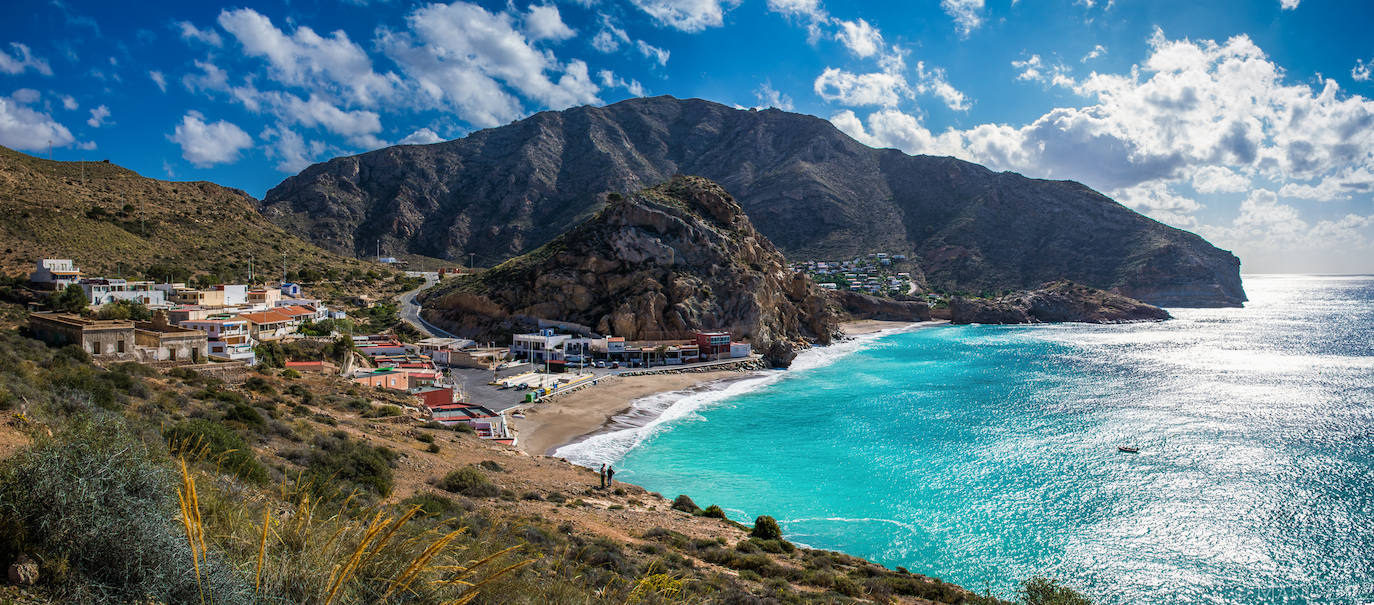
988	454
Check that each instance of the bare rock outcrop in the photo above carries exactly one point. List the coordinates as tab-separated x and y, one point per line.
655	265
1055	302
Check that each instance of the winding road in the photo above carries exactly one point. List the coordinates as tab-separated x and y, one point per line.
410	309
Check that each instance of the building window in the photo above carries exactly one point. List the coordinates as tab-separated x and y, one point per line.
119	346
95	348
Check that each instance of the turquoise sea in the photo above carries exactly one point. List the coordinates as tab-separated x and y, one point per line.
987	454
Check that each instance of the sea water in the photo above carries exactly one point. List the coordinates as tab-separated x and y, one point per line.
985	455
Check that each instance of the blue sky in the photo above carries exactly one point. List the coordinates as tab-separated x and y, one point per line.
1248	122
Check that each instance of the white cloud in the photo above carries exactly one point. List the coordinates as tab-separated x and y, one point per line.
542	22
848	88
210	78
610	80
967	14
933	81
29	130
292	152
189	31
1360	72
650	51
687	15
423	136
459	55
69	103
359	126
768	97
609	39
1034	69
207	144
1289	4
806	8
21	60
860	38
159	79
1219	179
1096	52
98	116
26	96
1155	199
307	59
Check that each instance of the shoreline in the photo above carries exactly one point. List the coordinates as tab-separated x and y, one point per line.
583	414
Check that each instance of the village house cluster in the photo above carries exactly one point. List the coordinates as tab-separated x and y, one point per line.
565	351
871	274
189	325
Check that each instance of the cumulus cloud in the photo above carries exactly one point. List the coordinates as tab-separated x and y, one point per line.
189	31
98	116
207	144
423	136
542	22
1289	4
1219	179
848	88
967	14
30	130
22	59
69	103
1157	200
1096	52
610	80
305	58
687	15
768	97
459	55
159	79
292	151
1360	72
1035	69
860	38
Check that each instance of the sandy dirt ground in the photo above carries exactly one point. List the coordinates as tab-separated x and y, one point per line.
551	425
859	327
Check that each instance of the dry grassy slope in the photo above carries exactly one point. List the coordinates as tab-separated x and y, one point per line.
44	207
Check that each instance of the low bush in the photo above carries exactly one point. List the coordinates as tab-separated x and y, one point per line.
713	512
766	528
218	445
470	482
337	458
685	504
96	508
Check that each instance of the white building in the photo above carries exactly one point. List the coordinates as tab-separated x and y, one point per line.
228	339
538	347
55	273
101	291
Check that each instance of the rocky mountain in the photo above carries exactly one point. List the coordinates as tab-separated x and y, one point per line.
811	189
1055	302
110	221
655	265
858	305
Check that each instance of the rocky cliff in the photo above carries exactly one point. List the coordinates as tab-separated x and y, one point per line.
862	306
811	189
655	265
1056	302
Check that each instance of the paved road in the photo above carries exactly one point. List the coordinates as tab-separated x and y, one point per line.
410	310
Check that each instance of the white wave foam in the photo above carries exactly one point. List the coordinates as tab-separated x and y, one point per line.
648	415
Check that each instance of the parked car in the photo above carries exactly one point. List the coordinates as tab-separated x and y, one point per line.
598	364
615	364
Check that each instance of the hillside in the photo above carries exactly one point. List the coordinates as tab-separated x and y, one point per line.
811	189
1051	303
111	220
654	265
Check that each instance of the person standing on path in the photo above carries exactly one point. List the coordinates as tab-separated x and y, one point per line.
610	476
602	474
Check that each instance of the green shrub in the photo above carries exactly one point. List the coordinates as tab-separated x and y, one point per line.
470	482
432	448
685	504
766	528
336	458
245	415
220	445
425	437
98	510
431	504
713	512
290	374
1044	591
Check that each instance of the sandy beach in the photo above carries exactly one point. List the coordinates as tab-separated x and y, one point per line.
551	425
868	326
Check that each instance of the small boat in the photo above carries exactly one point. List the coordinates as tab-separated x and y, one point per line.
1128	449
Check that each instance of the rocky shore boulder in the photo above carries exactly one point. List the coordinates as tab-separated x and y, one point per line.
655	265
1055	302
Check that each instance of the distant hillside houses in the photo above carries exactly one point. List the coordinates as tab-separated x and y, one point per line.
232	318
562	351
875	274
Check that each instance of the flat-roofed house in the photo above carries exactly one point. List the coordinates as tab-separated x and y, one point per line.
159	340
228	339
103	339
103	291
55	273
269	325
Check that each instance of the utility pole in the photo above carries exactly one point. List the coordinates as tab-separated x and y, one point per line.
250	269
472	258
283	267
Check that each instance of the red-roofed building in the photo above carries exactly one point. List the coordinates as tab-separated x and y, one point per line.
321	367
270	325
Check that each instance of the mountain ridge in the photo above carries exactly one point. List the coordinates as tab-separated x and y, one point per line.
811	189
